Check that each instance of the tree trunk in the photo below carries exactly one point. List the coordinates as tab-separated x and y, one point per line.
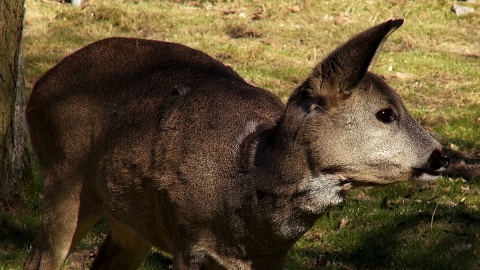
12	101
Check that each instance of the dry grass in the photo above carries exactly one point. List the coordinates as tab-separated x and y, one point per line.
433	60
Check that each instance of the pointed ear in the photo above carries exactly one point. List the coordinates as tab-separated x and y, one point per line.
346	66
333	79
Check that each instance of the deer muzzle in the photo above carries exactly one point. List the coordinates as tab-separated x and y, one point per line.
435	165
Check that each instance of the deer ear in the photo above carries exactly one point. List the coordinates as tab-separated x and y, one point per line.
345	67
335	77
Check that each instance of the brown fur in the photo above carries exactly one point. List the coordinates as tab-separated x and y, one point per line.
178	152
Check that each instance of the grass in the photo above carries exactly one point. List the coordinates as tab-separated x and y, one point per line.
433	61
405	227
19	226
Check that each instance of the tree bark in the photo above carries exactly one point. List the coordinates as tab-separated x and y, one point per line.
12	101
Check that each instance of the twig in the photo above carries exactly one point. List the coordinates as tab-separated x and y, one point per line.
431	219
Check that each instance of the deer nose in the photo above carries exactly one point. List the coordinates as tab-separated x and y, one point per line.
438	160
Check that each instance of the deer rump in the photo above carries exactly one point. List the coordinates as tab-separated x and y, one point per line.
156	136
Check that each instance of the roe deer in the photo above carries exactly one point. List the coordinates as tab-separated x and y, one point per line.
177	151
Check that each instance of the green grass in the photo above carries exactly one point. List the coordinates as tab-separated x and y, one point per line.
403	227
19	226
433	61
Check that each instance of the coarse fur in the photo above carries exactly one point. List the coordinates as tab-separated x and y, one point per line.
177	151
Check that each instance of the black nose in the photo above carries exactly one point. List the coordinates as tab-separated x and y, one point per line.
438	160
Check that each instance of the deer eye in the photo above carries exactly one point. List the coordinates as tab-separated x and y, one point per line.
386	116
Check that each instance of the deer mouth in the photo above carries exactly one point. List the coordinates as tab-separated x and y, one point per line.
426	175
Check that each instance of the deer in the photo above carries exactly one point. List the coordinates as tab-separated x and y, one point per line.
176	151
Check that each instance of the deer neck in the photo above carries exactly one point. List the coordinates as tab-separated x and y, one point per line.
284	191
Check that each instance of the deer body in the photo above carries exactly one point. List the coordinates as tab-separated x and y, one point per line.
178	152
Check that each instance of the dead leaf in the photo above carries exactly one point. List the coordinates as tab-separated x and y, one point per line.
294	9
339	20
460	247
343	223
454	147
79	258
449	203
228	12
243	32
257	16
313	235
404	76
467	190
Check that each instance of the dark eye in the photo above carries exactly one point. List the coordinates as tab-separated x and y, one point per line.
386	116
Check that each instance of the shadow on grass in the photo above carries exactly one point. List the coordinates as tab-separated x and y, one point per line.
157	261
450	242
15	238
